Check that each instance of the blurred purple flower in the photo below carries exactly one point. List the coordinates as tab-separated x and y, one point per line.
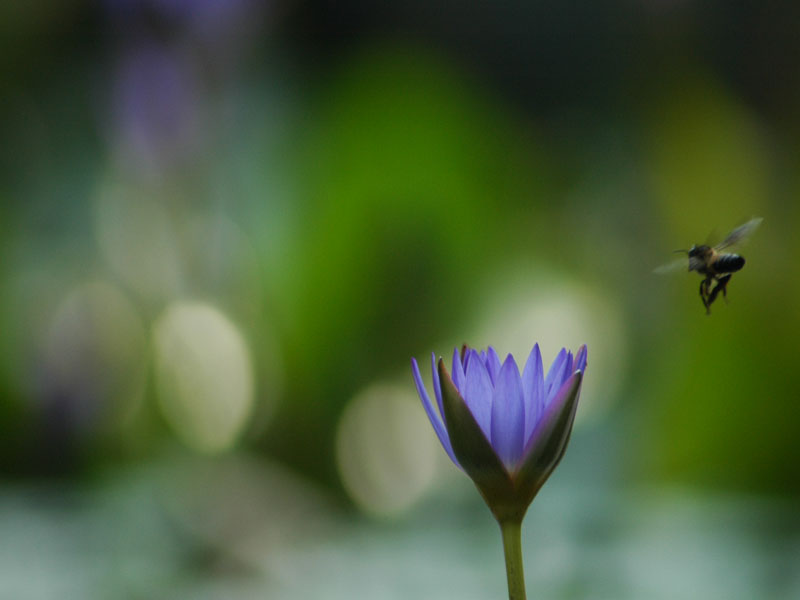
505	430
157	110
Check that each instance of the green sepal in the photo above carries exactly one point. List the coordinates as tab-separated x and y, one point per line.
552	436
475	453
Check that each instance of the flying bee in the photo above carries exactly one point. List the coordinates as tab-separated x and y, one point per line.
715	266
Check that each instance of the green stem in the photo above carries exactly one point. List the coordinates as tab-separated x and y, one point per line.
512	545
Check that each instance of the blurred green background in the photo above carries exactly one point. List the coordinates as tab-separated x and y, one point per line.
227	225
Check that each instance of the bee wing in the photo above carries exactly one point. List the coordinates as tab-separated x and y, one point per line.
740	233
671	267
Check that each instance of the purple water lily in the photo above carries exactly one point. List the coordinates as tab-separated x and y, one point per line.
505	430
506	406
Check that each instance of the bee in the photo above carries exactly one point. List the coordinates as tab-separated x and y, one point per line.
714	266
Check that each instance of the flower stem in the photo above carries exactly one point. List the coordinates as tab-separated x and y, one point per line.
512	545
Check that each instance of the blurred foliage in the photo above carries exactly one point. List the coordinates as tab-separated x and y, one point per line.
408	176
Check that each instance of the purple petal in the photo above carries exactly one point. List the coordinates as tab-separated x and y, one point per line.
466	357
580	359
458	372
555	376
508	415
493	364
438	427
552	411
478	393
533	390
565	374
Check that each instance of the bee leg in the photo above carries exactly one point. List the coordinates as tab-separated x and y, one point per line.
704	294
722	285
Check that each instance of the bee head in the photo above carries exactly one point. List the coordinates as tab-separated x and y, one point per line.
698	250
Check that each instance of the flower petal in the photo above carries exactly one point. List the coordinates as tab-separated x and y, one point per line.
438	426
493	365
466	356
477	392
508	414
459	377
580	359
437	388
533	390
555	376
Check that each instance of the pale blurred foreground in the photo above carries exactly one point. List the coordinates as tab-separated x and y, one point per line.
240	528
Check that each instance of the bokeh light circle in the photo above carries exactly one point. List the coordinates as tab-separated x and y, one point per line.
94	357
136	237
204	375
385	449
558	312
